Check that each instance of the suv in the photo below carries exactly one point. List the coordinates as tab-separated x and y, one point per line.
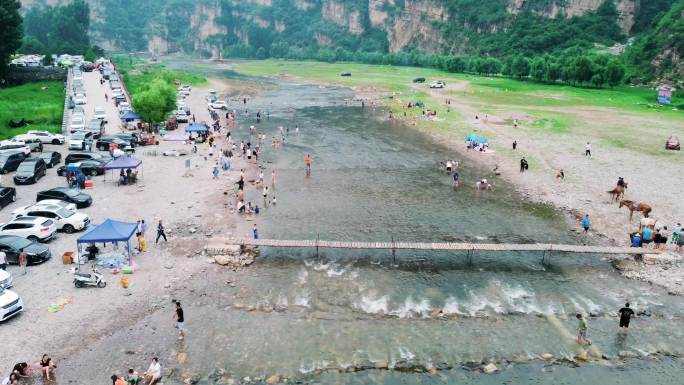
438	84
100	114
88	167
32	228
74	157
48	137
79	140
30	170
10	304
105	141
12	245
12	145
10	160
67	220
217	105
66	194
34	143
7	196
77	123
96	126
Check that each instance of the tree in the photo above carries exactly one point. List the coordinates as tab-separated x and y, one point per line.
454	64
520	67
614	73
31	45
539	69
582	69
10	32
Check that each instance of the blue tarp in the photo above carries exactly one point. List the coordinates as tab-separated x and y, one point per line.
108	231
475	138
130	115
196	127
123	162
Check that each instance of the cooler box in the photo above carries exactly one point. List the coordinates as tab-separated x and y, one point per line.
68	257
88	184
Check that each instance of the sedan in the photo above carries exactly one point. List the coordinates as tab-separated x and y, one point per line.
51	158
81	200
80	99
105	141
88	167
12	245
7	196
100	114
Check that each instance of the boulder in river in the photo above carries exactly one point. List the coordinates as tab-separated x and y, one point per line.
489	368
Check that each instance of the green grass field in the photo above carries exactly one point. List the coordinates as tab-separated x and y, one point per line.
42	108
136	72
622	117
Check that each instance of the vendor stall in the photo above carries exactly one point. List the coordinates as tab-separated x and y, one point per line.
109	231
127	165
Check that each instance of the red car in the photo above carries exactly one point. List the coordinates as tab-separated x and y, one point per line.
672	143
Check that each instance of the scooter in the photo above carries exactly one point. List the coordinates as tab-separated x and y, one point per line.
89	279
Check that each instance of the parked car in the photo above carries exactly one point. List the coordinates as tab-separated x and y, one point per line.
12	145
105	141
66	220
96	126
119	97
345	74
672	143
80	99
10	160
129	137
47	202
184	89
10	304
51	158
182	116
6	280
79	140
87	66
34	229
437	84
7	196
30	170
88	167
218	105
124	106
79	110
419	80
12	245
81	200
77	123
48	137
100	114
34	142
78	156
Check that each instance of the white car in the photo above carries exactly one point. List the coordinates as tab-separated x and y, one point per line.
6	280
218	105
124	106
67	220
437	84
78	140
32	228
80	99
47	202
30	140
184	89
77	123
117	92
182	116
48	137
100	114
12	145
10	304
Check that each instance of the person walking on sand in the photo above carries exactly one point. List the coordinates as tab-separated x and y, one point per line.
215	171
273	178
515	144
179	317
586	223
255	232
160	232
587	150
307	161
523	165
626	314
582	330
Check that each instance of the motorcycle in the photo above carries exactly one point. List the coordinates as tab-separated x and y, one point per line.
89	279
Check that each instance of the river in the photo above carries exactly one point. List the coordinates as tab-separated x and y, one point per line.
352	311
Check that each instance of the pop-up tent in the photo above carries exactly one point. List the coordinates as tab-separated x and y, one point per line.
196	127
475	138
130	115
109	231
123	163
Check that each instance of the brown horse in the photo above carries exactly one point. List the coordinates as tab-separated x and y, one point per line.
617	193
635	206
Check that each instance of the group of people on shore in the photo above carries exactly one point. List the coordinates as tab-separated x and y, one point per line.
23	370
132	377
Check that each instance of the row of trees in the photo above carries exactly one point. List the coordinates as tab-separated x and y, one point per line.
10	32
59	29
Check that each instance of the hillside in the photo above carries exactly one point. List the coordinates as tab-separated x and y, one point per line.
338	29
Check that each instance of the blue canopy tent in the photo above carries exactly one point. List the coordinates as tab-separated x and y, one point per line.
196	127
123	163
475	138
109	231
130	115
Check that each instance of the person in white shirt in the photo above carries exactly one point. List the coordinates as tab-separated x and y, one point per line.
587	150
153	373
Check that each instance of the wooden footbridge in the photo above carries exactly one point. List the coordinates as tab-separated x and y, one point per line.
470	248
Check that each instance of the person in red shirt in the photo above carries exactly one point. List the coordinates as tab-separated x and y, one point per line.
307	161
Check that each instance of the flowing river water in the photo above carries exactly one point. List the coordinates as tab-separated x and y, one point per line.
320	316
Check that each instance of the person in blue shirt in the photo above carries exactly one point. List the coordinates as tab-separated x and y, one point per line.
647	235
255	231
586	223
636	239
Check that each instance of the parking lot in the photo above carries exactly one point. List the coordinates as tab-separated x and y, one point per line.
162	192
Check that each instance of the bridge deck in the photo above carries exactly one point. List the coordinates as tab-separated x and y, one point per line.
448	246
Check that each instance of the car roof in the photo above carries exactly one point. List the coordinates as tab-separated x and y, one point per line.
27	218
8	238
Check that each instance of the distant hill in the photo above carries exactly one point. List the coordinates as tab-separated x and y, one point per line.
498	28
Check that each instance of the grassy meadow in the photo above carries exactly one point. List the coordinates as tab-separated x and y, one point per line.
43	108
137	72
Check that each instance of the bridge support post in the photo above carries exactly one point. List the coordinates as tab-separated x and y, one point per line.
394	252
317	238
470	256
546	258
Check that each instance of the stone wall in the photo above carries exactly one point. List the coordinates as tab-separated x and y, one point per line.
21	75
